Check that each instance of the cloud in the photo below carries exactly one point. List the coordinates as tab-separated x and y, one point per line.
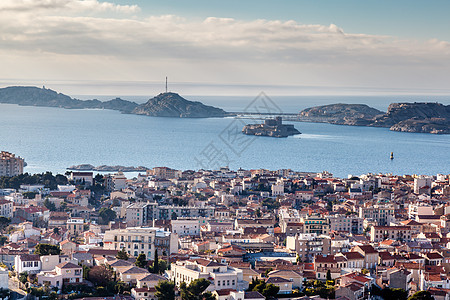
66	5
220	49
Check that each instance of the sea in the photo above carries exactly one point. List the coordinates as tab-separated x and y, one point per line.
53	139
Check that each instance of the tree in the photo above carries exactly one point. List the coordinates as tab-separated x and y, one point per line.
106	215
329	275
47	249
196	290
394	294
122	254
56	230
155	263
50	205
270	291
174	216
100	275
4	222
165	290
23	277
422	295
141	262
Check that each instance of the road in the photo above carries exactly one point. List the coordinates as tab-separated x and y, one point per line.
16	293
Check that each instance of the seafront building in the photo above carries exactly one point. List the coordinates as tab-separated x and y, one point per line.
10	164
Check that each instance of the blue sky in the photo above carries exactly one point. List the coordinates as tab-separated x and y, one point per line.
227	47
403	18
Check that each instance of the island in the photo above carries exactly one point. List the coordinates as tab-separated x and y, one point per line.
164	105
272	128
420	117
173	105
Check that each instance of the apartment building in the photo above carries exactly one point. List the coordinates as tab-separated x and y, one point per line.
137	240
168	212
186	227
222	277
316	224
75	226
399	233
6	208
10	164
349	224
381	214
308	245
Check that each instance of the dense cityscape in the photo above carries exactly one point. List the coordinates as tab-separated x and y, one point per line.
223	234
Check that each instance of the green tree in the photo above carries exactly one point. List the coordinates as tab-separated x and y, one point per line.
47	249
421	295
270	291
4	222
196	290
100	275
165	290
3	240
141	262
174	216
329	275
50	205
23	277
155	263
122	254
105	215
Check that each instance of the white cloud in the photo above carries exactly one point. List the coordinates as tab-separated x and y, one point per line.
216	49
67	5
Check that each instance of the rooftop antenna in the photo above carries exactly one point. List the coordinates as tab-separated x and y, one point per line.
166	84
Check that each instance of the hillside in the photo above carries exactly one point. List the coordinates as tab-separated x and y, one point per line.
407	117
173	105
342	114
34	96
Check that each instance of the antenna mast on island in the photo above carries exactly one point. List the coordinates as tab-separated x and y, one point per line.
166	84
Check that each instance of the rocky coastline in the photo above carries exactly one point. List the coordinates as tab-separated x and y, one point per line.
418	117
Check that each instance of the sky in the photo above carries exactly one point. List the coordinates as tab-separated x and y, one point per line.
291	47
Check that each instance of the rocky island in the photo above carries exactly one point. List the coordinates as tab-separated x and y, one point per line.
272	128
163	105
173	105
407	117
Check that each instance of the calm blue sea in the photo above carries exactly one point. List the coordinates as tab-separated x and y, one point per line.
54	139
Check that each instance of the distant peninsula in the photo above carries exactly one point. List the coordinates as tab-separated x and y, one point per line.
163	105
420	117
271	128
104	168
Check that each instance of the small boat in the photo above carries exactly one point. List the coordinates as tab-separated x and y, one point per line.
392	155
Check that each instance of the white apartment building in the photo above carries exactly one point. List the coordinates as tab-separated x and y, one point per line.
167	212
119	181
221	276
419	209
288	215
278	188
343	223
6	208
137	240
381	214
186	227
422	182
10	165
